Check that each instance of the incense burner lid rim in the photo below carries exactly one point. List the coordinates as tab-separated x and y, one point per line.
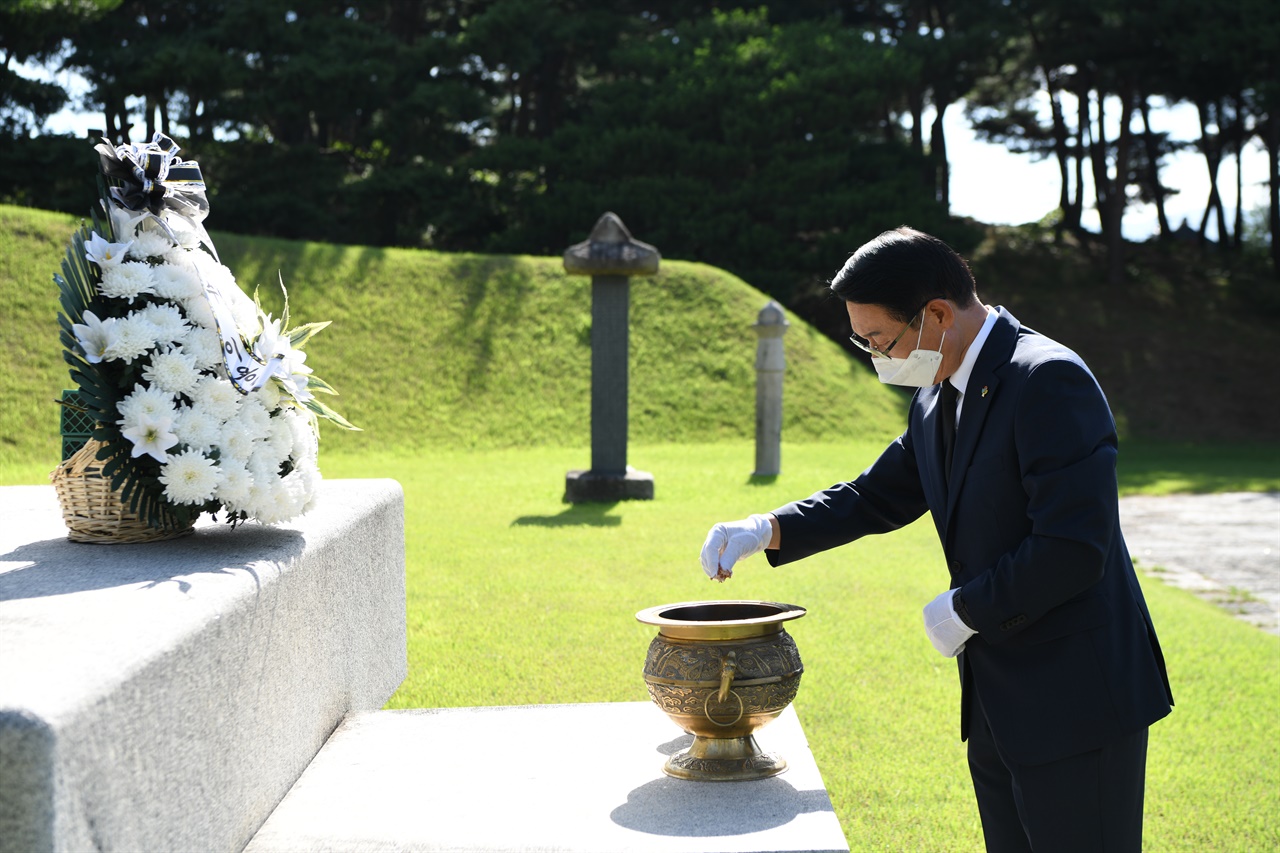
661	615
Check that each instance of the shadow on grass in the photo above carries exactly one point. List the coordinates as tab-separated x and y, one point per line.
762	479
578	515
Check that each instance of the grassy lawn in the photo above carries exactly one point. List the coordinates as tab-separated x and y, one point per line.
536	599
515	597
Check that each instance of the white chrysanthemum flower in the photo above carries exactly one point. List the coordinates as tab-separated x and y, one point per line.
275	503
218	277
217	396
295	488
145	402
306	444
189	478
280	439
187	234
197	429
128	280
103	252
204	346
243	310
310	478
198	311
236	485
269	395
181	257
172	370
176	281
265	462
135	337
237	443
151	436
215	274
170	326
261	498
95	336
150	243
254	416
261	467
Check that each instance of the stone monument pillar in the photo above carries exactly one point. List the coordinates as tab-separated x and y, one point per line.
771	324
610	256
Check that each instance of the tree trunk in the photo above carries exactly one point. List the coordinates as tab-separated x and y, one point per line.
1153	167
1059	144
1098	160
1076	210
1116	197
915	106
915	103
1212	148
1273	179
1070	210
938	154
1237	237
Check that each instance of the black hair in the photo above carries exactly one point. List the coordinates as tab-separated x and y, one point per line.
901	271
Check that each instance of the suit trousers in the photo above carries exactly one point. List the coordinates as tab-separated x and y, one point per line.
1087	802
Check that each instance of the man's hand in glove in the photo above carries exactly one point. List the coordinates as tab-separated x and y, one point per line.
947	631
731	541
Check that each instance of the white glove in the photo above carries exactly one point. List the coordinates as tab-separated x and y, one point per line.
731	541
946	630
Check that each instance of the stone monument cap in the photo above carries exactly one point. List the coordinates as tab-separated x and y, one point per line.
771	321
611	250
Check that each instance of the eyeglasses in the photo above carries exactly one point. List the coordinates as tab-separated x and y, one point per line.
866	345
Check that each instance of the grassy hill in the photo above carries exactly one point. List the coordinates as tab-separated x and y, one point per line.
433	350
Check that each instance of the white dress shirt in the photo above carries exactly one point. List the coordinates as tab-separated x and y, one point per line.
960	379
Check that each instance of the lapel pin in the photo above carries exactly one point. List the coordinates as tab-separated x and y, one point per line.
984	390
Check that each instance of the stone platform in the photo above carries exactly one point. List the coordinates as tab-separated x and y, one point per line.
598	487
576	778
166	696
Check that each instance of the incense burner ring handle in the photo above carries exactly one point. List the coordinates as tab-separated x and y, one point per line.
728	667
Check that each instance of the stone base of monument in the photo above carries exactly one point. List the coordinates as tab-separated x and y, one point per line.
572	778
166	696
607	487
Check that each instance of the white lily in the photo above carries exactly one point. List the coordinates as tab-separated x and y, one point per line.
292	369
94	336
103	252
152	436
125	221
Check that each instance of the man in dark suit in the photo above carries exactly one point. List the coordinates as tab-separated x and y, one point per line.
1010	445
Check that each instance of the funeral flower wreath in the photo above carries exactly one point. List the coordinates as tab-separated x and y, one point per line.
202	402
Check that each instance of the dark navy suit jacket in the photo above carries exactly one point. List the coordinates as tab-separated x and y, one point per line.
1065	658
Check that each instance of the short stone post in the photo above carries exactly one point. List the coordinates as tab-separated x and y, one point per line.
770	326
610	256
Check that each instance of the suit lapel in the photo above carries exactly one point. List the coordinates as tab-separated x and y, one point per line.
978	397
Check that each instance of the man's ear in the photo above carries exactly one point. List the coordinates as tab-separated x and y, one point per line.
942	312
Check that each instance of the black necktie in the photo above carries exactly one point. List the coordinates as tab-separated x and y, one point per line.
947	400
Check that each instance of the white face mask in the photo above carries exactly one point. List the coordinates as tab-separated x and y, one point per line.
917	370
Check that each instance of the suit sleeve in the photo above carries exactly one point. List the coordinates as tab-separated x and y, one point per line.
884	497
1066	446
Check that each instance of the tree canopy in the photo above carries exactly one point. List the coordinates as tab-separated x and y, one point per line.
770	141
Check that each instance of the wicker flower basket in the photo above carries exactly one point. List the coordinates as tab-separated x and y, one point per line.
92	511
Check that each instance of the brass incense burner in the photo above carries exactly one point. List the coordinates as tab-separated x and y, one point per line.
721	670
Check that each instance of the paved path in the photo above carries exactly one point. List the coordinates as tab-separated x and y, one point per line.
1225	548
